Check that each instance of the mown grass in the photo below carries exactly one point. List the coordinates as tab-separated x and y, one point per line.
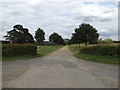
41	51
91	57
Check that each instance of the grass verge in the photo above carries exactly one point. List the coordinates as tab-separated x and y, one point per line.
41	51
91	57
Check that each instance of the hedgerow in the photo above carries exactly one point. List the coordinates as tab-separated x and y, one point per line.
18	49
106	50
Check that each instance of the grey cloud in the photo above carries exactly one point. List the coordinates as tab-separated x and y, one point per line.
51	16
105	19
93	18
109	33
89	19
105	34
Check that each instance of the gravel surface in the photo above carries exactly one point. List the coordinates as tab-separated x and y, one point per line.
59	69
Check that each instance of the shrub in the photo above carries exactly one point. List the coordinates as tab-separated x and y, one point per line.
108	50
118	51
18	49
108	41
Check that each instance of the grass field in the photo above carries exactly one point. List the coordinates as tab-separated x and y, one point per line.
94	58
44	50
41	51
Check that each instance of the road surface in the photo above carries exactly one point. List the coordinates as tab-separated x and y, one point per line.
59	69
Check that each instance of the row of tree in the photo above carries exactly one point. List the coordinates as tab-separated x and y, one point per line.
85	33
21	35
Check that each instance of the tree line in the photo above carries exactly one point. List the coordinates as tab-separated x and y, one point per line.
21	35
85	33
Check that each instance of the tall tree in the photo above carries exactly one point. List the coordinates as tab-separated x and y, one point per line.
39	35
85	33
56	38
77	37
19	35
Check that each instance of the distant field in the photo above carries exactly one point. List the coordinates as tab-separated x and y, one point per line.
41	51
44	50
94	58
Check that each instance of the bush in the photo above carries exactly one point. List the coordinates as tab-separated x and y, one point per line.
118	51
108	50
18	49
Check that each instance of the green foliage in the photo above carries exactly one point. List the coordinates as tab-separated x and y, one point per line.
41	51
108	41
39	36
85	33
18	49
19	35
18	26
106	50
56	38
93	57
118	51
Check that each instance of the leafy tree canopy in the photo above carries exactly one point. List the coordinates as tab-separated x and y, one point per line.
39	35
84	33
19	35
56	38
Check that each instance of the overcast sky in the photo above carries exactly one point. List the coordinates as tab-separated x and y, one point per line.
60	16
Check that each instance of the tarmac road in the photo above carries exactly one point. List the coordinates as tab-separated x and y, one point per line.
59	69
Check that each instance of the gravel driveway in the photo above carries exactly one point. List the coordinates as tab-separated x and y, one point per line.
59	69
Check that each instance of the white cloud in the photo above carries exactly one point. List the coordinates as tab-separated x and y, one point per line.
60	16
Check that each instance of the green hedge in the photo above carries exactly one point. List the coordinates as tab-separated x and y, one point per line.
118	51
18	49
106	50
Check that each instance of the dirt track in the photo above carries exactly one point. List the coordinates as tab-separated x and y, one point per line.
59	69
